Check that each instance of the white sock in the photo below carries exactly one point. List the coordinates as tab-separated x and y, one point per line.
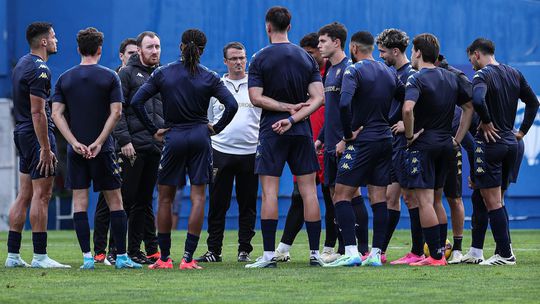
351	250
87	255
283	248
374	251
268	255
476	252
314	253
328	249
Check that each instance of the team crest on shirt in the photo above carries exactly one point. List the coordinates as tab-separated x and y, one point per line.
43	75
345	166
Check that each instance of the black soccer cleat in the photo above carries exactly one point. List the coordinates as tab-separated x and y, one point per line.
243	256
209	257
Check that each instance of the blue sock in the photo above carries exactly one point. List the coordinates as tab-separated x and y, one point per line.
14	241
361	228
380	221
190	246
39	239
499	228
314	234
164	240
82	229
443	234
119	230
393	220
432	236
417	235
346	222
479	220
268	231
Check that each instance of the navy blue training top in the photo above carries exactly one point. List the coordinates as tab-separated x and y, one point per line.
31	76
367	92
284	71
496	90
185	97
333	132
87	91
436	92
399	140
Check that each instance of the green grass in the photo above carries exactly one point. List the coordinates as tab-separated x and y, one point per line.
290	282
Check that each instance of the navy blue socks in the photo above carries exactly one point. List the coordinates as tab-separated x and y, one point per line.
82	229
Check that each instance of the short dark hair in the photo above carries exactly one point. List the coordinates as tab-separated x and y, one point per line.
145	34
428	45
125	43
310	40
35	31
232	45
335	30
393	38
483	45
279	17
365	39
89	40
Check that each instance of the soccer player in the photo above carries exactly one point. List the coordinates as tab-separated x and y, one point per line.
284	81
428	110
367	90
92	96
186	87
36	144
233	160
496	90
392	44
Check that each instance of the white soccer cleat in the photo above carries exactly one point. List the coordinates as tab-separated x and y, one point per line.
262	263
328	256
470	258
499	260
282	256
455	257
15	261
43	261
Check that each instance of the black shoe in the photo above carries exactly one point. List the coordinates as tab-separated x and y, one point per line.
111	258
209	257
140	257
243	257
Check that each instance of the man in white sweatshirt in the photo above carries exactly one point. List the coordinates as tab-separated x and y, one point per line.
234	159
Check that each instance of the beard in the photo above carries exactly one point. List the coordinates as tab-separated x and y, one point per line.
148	60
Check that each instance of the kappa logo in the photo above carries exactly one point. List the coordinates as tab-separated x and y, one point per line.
414	170
350	148
42	66
479	150
39	60
348	156
43	75
414	160
346	166
532	139
480	170
347	72
479	160
140	75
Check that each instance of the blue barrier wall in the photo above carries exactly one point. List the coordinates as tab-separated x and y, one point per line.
513	25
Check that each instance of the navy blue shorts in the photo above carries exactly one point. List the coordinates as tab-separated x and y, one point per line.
103	171
28	147
493	163
453	185
331	162
366	163
297	151
515	172
187	149
397	171
427	168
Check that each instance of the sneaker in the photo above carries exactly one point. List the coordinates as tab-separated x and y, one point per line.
328	256
408	259
282	256
455	257
190	265
99	258
345	260
470	258
88	263
15	261
209	257
429	261
154	257
43	261
243	256
123	261
316	261
499	260
373	260
159	264
111	259
140	258
262	263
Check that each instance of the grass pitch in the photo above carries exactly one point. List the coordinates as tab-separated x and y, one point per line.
290	282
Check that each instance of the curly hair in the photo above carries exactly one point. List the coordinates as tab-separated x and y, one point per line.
393	38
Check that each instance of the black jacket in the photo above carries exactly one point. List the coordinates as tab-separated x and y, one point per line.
130	128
